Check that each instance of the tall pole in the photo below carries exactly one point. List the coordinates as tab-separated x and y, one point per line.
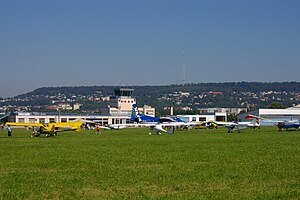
58	118
183	67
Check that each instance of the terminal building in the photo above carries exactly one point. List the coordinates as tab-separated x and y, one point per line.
118	112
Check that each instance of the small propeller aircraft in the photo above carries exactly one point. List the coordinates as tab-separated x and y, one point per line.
141	118
281	124
158	129
157	124
116	126
50	129
238	126
235	126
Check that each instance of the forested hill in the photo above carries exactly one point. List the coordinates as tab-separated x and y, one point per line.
188	96
228	87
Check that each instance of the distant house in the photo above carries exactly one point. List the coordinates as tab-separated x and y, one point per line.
60	106
77	106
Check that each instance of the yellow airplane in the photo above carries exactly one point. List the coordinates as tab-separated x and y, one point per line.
207	125
49	129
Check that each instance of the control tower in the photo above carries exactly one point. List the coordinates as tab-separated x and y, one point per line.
121	103
123	92
123	100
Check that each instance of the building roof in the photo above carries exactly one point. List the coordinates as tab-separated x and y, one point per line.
279	111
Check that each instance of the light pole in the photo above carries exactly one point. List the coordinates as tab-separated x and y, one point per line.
58	118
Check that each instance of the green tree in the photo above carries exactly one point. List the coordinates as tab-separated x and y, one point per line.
277	105
232	117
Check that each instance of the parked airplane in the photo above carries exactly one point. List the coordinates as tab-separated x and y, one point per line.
141	118
50	129
235	126
238	126
93	123
116	126
158	129
156	124
281	124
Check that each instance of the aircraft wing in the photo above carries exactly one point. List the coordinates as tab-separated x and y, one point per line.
158	128
120	126
65	126
24	124
86	121
261	118
224	123
130	125
105	127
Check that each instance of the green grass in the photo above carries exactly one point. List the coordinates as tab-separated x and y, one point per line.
130	164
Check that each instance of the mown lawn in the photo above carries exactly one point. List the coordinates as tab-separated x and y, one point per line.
130	164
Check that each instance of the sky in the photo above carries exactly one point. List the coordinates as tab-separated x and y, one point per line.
52	43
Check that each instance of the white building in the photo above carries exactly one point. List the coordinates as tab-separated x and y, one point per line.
204	117
234	111
65	117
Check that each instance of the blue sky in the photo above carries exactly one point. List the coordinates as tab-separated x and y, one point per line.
134	42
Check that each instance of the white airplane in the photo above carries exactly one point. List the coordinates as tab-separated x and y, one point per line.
281	124
238	126
158	129
157	123
118	126
93	123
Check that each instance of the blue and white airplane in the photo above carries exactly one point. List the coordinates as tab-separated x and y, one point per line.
155	124
141	118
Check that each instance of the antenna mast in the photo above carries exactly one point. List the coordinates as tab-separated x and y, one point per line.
183	67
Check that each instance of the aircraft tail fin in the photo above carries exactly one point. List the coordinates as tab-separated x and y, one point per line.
134	113
255	122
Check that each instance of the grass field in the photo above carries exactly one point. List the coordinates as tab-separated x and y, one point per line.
130	164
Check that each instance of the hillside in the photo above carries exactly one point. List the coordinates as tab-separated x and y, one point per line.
188	97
